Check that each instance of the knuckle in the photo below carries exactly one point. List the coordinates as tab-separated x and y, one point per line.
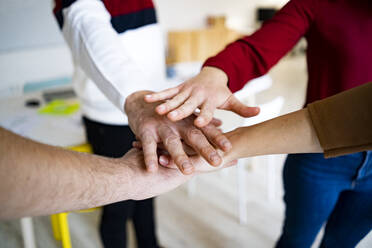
177	99
209	128
146	135
146	124
202	92
180	159
207	150
190	104
220	139
141	127
171	140
210	131
207	113
193	134
150	158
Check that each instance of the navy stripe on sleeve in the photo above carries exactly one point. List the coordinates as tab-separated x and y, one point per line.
134	20
58	13
120	23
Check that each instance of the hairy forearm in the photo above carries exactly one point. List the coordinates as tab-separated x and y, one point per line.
37	179
290	133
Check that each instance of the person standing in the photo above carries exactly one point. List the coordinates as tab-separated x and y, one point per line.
335	191
118	53
117	49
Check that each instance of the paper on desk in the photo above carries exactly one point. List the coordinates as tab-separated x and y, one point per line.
21	123
48	129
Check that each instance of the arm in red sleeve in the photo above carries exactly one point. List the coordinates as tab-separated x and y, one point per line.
252	56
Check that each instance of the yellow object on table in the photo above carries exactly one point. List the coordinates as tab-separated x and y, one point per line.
60	107
61	231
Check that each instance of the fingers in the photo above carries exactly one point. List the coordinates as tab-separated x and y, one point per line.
206	114
186	109
172	143
173	103
162	95
231	163
167	162
137	144
188	150
216	122
196	139
216	136
234	105
149	151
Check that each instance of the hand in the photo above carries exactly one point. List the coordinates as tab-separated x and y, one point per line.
207	91
146	185
150	129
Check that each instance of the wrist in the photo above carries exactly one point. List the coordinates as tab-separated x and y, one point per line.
215	74
238	148
135	100
122	176
134	107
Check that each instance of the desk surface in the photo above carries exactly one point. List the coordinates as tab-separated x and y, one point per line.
53	130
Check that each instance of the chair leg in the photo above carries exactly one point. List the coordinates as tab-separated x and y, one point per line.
242	192
55	226
64	229
28	233
271	178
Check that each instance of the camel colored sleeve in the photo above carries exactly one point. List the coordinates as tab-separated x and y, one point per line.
343	122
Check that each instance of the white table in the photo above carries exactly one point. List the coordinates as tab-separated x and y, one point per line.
53	130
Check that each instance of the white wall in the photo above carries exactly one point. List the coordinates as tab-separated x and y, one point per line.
187	14
25	24
32	48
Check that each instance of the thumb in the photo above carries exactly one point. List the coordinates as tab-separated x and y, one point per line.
234	105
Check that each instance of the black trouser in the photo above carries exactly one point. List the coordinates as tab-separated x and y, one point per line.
114	141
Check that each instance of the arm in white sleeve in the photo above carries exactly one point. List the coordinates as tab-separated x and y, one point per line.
96	48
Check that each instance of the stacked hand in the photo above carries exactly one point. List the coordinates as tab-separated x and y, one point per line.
152	129
207	91
167	177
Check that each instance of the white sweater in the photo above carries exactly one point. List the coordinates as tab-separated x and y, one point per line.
110	66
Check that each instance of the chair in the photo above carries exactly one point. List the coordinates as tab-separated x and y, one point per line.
268	111
59	221
28	233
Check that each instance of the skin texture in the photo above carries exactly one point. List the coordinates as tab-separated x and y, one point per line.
151	129
37	179
275	136
207	91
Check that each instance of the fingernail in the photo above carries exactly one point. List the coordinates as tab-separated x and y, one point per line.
148	96
161	108
200	120
163	160
187	167
173	114
225	145
215	158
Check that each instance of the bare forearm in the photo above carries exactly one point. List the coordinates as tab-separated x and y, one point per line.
37	179
291	133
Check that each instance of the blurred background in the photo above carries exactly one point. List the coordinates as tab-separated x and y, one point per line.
238	207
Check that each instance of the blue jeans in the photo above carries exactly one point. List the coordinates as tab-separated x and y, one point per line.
335	191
